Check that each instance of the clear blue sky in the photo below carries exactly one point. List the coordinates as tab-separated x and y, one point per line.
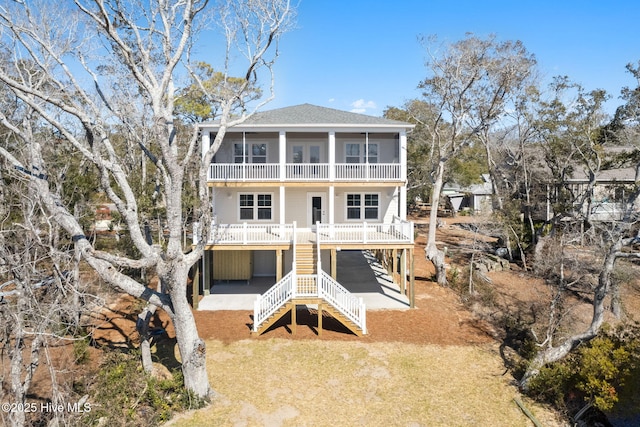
363	55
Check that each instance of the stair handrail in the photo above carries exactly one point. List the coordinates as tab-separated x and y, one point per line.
274	298
350	306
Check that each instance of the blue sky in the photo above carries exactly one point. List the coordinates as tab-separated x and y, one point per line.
363	56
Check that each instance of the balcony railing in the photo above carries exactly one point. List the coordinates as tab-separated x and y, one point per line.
296	172
266	234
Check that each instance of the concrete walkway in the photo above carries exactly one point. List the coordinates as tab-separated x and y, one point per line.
358	271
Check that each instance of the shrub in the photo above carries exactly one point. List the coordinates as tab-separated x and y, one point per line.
595	373
124	395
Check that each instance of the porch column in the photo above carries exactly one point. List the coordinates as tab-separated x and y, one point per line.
282	205
206	142
412	282
403	271
278	265
332	156
334	264
207	260
403	155
332	202
282	154
402	203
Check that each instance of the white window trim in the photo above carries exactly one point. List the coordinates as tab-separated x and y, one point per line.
363	155
248	152
255	206
362	207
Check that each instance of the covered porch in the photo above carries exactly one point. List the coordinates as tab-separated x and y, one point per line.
358	271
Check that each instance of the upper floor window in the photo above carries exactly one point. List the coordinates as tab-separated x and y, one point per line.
250	153
361	153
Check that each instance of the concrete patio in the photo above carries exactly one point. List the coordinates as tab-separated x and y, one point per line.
359	272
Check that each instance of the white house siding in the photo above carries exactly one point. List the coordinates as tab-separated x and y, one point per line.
296	205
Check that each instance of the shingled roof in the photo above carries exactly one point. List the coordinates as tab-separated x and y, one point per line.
313	115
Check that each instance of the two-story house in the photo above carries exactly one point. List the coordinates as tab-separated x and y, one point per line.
293	187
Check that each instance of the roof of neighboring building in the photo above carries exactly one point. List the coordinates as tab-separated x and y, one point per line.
627	174
308	115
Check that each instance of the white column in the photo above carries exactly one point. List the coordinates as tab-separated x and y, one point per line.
332	156
403	156
332	204
282	154
402	203
206	142
282	205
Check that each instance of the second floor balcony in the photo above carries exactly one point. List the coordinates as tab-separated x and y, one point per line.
299	172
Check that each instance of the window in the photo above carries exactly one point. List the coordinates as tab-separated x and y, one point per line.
354	205
363	206
240	155
370	206
256	206
314	154
355	153
372	155
297	154
257	154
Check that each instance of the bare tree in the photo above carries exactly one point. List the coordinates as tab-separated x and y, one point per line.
116	63
468	87
41	301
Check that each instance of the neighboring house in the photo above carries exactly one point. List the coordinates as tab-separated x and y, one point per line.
290	189
476	198
607	202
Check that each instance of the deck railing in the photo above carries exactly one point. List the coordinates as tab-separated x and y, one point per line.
242	234
296	172
396	232
251	233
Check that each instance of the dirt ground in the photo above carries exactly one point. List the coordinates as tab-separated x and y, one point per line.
439	317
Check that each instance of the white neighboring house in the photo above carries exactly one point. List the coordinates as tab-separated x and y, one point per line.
292	187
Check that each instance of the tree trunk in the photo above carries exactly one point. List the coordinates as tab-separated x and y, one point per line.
553	354
192	347
432	253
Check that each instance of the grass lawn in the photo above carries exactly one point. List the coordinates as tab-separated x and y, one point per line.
332	383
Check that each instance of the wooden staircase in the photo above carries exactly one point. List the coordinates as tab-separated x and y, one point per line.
343	319
306	259
286	308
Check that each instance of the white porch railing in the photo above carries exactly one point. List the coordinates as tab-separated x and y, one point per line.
397	232
250	233
296	172
242	234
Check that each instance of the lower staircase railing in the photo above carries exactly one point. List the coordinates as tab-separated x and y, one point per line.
269	302
342	300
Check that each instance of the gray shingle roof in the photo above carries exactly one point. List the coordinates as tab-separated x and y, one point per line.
308	114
